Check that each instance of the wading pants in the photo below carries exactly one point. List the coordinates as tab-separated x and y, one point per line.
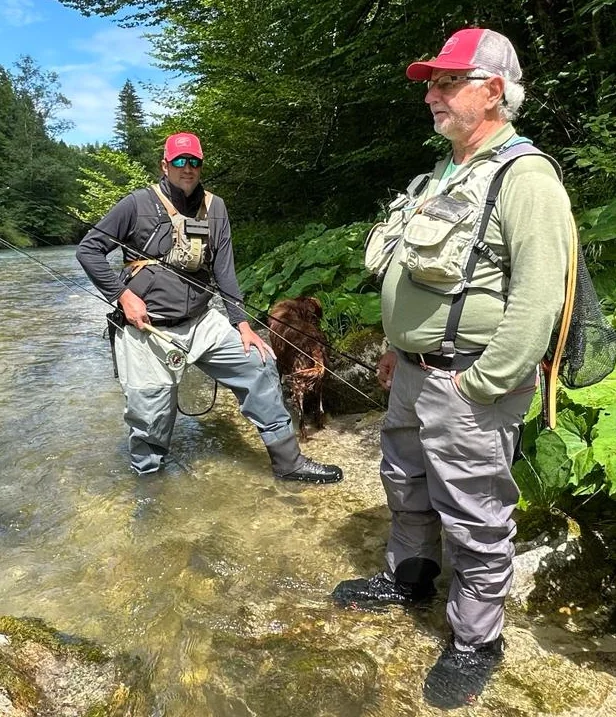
446	468
151	388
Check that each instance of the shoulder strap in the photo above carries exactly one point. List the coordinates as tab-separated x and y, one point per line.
171	210
506	156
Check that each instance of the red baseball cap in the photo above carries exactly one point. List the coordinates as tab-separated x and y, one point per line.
469	49
182	143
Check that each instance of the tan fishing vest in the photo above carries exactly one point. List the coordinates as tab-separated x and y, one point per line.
191	245
439	231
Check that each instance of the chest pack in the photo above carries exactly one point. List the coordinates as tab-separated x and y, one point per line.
441	231
191	247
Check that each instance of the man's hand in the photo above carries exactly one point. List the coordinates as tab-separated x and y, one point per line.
134	309
250	338
386	368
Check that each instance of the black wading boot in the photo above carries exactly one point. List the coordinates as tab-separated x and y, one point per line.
289	464
459	676
412	583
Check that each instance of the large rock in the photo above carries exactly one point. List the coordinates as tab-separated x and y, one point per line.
354	388
45	673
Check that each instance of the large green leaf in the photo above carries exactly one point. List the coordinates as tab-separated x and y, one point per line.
604	444
600	395
317	276
370	309
273	284
561	453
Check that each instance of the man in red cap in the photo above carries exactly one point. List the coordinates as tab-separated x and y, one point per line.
176	243
471	295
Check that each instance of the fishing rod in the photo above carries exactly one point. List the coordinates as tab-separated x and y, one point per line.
70	284
175	358
234	301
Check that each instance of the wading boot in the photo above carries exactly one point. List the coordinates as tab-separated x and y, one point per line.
411	583
460	675
288	463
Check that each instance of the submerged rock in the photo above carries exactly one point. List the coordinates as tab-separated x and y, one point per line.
45	673
289	674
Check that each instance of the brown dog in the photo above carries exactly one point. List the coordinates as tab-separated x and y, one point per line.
296	323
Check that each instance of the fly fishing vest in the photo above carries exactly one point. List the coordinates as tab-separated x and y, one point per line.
191	246
442	233
443	236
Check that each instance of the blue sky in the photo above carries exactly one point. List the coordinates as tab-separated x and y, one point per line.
92	56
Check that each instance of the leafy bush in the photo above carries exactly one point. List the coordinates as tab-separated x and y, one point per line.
117	176
253	239
13	236
579	456
324	263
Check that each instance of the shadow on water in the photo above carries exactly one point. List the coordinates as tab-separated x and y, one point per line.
216	575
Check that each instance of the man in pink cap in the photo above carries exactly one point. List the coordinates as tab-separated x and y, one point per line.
176	242
471	295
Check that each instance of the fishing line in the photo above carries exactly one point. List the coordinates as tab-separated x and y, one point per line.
175	359
232	300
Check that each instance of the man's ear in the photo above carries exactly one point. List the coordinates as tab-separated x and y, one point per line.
496	89
163	166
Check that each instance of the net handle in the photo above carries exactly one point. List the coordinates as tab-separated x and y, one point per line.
553	366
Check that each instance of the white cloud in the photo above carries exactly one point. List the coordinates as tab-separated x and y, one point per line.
19	13
116	48
117	54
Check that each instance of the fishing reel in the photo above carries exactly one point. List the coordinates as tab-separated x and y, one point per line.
175	360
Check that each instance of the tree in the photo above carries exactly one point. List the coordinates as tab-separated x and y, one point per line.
42	89
113	175
305	111
132	136
38	173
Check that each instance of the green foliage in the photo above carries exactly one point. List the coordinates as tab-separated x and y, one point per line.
38	173
324	263
253	239
579	456
104	185
131	134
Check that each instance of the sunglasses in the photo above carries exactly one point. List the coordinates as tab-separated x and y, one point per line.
446	83
180	162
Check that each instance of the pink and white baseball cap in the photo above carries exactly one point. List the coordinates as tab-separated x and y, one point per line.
469	49
182	143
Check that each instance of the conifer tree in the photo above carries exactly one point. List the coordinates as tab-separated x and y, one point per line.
131	134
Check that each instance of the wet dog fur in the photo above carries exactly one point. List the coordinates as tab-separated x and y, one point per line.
296	323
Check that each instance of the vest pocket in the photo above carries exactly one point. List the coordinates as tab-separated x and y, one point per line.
142	281
437	243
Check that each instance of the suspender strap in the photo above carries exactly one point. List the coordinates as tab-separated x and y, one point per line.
479	247
171	210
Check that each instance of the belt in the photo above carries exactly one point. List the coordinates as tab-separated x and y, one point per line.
457	362
166	322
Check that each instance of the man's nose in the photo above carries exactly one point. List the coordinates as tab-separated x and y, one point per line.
431	95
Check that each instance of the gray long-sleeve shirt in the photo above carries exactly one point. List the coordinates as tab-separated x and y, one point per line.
165	293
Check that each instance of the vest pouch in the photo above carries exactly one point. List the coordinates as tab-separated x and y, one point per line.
190	236
383	237
437	242
381	242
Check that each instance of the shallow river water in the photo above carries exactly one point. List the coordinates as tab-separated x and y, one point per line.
217	576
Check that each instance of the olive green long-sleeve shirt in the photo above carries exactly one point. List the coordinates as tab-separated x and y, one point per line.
530	230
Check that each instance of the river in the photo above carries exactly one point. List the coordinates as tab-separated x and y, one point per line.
216	575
